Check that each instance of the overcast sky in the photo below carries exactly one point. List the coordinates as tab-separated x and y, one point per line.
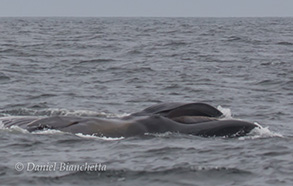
150	8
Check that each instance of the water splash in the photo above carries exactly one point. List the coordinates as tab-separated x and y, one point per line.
226	112
161	135
98	137
261	132
13	129
49	131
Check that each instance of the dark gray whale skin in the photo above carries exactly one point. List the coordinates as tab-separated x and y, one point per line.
176	109
200	119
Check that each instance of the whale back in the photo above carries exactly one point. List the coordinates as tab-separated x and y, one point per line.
175	109
193	119
55	122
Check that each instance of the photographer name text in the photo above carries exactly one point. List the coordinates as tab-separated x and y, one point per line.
59	166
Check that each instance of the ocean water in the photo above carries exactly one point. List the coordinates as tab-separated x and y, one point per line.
111	67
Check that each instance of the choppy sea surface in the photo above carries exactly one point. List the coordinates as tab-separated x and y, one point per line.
111	67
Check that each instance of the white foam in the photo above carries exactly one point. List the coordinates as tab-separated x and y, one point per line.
226	111
261	132
159	134
97	137
48	131
257	132
66	112
14	129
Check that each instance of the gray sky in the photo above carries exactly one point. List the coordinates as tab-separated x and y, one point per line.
153	8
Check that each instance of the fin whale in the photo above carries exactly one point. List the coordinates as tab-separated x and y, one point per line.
187	118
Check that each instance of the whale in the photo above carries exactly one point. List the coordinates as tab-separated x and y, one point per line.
199	119
176	109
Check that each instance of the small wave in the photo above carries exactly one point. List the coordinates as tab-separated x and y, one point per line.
260	132
234	38
216	168
96	61
190	173
172	86
42	96
134	51
141	69
4	77
174	43
267	82
285	43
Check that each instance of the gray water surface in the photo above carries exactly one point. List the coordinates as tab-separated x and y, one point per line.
105	67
